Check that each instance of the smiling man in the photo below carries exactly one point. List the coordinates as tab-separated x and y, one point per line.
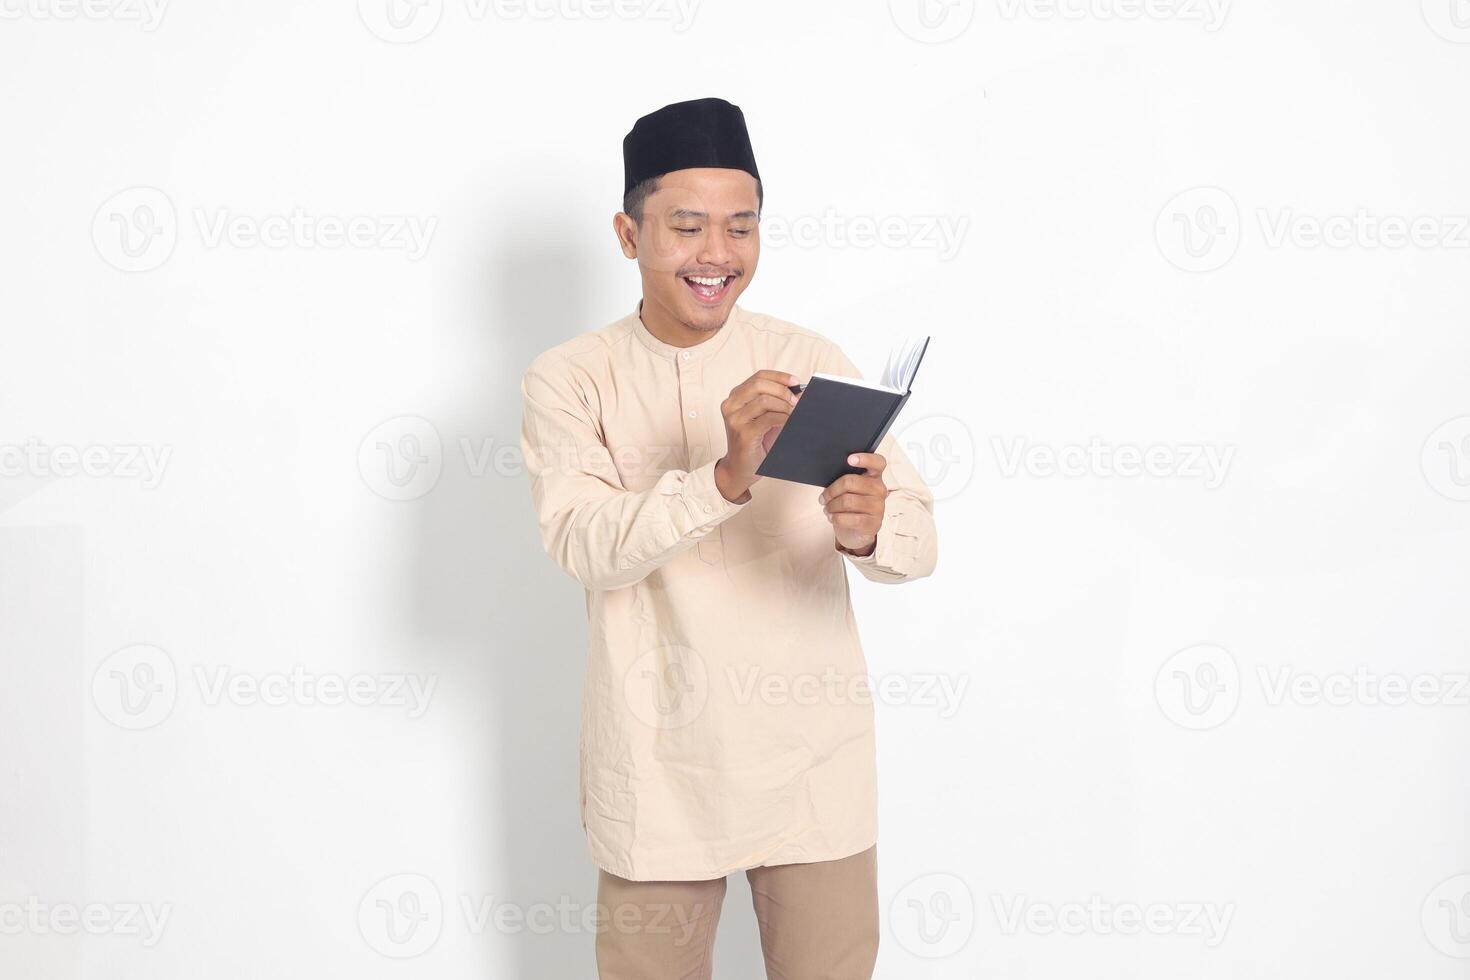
726	721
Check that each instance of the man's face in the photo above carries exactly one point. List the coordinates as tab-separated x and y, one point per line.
697	245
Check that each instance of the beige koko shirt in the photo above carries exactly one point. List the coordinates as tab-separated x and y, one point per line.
727	721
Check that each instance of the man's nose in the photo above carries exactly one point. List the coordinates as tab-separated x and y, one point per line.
714	250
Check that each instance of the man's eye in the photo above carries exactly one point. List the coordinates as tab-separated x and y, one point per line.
740	232
687	231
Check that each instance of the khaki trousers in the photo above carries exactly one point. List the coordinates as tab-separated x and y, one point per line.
817	921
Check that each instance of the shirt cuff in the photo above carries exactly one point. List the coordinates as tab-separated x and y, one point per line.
707	506
896	550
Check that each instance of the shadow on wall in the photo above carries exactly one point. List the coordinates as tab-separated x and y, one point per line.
483	587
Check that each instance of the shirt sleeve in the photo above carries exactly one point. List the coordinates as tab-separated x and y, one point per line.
908	543
600	533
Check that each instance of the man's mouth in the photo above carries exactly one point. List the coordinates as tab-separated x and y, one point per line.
709	290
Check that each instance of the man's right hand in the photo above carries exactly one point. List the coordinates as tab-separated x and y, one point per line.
754	414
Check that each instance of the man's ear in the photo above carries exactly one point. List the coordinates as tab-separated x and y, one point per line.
627	231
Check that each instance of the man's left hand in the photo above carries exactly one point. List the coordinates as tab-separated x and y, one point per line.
854	504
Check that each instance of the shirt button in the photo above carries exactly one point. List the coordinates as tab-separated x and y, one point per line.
684	355
692	413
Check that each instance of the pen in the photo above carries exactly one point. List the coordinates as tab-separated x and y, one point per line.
796	389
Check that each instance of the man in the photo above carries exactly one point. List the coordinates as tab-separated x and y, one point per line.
725	721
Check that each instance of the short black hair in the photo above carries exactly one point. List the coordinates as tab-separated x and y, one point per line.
637	195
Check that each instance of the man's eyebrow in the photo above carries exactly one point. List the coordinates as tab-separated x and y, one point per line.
679	213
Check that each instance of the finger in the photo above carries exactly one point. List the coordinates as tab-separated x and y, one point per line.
855	522
751	389
758	406
871	462
854	503
855	483
765	423
762	379
780	377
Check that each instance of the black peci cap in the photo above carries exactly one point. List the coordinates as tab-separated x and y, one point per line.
701	133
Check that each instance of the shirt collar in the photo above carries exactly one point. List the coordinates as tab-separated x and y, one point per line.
699	352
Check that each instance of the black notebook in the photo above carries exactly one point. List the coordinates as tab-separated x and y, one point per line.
839	416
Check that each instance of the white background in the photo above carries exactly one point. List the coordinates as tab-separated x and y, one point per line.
1137	189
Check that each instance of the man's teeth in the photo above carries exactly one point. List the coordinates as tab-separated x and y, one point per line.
706	281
